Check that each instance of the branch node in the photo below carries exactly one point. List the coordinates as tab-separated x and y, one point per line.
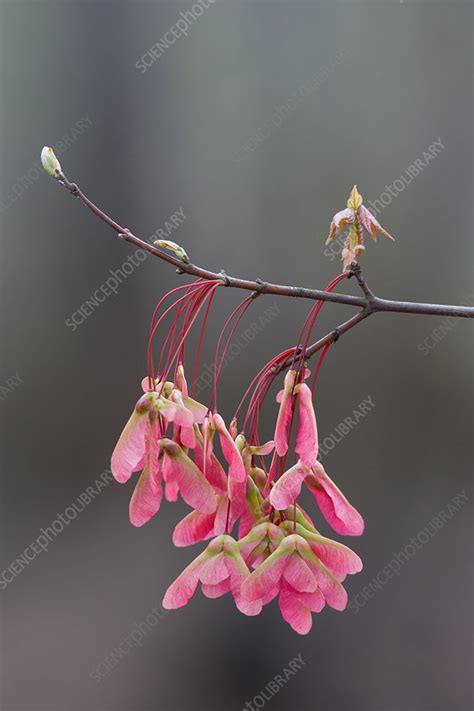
180	270
355	270
225	278
262	284
72	187
66	183
336	335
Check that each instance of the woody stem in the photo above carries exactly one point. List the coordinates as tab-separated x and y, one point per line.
369	302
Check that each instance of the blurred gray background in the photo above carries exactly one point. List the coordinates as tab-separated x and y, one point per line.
194	132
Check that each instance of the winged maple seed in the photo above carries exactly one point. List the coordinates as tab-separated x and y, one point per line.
359	218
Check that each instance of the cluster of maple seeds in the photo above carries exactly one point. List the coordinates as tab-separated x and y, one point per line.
249	486
171	439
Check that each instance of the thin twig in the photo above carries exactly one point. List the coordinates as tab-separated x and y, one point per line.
330	337
369	303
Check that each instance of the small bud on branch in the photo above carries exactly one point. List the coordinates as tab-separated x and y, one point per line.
172	247
50	163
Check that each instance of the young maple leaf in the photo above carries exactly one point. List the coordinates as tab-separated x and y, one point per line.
359	218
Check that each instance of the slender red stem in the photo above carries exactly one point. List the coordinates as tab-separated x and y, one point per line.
320	362
185	334
201	336
218	363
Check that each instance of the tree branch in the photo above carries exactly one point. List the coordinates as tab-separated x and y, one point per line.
370	303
